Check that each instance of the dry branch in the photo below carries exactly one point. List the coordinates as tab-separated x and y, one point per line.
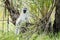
14	13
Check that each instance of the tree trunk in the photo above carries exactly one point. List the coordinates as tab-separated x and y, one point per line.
56	25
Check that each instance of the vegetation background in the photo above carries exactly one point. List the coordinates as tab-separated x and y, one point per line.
40	10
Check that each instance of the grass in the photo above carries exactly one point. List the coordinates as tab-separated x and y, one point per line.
28	36
35	36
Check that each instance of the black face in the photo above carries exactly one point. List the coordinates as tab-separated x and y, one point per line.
24	11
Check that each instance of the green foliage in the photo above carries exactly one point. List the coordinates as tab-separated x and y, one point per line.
38	8
35	36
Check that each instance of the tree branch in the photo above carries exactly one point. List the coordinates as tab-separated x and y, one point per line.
14	13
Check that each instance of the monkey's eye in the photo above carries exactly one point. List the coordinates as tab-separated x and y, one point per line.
24	11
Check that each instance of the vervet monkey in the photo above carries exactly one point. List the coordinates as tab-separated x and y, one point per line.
23	18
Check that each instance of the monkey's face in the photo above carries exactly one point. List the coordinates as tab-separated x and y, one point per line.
24	10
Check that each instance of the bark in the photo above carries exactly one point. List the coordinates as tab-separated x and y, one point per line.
14	13
56	25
